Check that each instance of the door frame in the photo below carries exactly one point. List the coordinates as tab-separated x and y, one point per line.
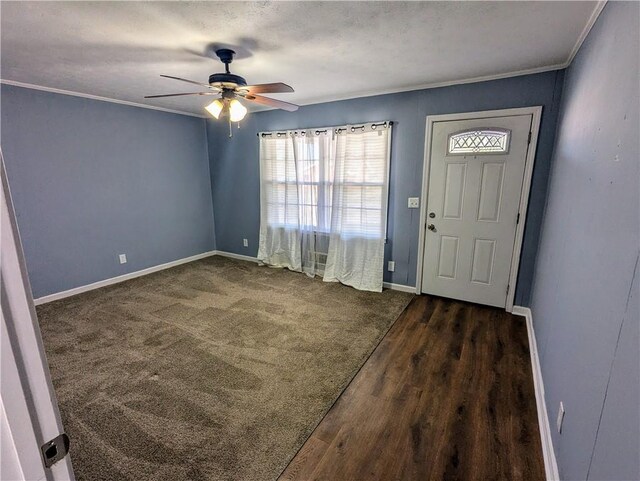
536	115
28	407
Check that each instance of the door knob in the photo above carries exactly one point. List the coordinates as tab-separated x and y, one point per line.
431	227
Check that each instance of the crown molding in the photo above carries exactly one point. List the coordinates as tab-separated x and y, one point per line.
561	66
433	85
96	97
485	78
371	93
585	31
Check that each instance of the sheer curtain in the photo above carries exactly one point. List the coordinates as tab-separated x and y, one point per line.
359	208
312	154
324	202
280	216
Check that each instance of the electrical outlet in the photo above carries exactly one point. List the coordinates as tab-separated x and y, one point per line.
245	242
392	266
123	258
413	203
560	417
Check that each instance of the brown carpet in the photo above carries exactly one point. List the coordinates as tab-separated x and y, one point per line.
214	370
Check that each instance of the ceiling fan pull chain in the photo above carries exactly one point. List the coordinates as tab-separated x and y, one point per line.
230	130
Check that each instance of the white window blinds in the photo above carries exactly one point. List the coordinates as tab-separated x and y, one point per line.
362	171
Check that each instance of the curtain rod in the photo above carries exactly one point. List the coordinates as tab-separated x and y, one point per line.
323	131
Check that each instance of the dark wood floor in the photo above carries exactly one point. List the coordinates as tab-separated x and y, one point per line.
447	395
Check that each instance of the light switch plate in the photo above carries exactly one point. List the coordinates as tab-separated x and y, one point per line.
245	242
123	258
392	266
560	417
413	203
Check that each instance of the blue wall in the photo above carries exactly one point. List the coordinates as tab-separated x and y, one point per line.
235	169
585	296
91	180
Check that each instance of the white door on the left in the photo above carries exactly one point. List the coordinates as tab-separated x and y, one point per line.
29	415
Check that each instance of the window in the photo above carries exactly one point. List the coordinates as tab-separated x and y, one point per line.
483	141
362	178
279	186
305	172
323	202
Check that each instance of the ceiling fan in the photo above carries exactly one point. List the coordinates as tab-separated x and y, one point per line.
231	87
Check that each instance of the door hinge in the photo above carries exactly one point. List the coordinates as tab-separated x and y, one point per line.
518	218
529	139
55	449
507	288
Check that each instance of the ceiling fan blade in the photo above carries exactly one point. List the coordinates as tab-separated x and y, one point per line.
190	81
274	88
179	95
269	102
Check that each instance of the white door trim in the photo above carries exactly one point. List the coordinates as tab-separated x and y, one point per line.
536	113
29	410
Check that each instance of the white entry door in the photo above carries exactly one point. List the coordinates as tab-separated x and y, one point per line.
475	181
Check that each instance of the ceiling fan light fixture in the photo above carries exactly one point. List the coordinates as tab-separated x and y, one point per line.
228	86
215	108
237	111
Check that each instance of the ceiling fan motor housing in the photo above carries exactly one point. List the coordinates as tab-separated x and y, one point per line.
221	79
227	79
230	85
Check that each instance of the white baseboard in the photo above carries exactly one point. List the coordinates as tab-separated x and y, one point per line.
399	287
149	270
387	285
236	256
550	464
122	278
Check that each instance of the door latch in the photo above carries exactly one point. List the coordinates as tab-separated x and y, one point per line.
55	449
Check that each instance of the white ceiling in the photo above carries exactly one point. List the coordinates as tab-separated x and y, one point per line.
325	50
